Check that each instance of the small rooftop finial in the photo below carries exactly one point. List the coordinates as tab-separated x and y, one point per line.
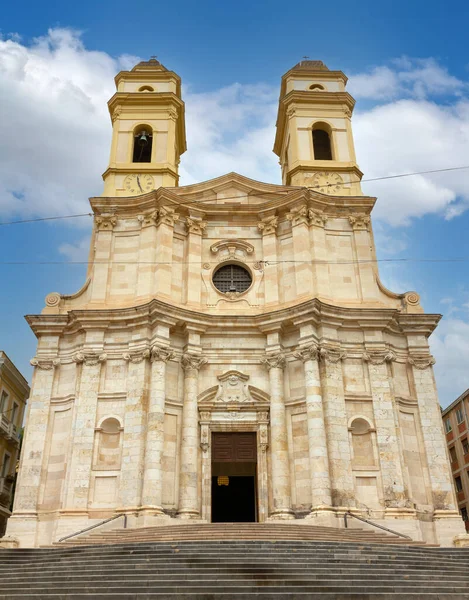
153	57
305	57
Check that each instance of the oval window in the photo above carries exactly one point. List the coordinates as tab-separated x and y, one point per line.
232	278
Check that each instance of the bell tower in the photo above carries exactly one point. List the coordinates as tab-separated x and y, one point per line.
314	138
148	135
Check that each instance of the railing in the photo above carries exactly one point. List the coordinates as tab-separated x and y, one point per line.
349	514
67	537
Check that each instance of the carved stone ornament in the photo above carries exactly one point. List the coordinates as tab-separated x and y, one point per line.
205	416
195	225
263	417
268	225
422	361
89	358
148	219
332	355
274	361
299	215
45	364
168	216
53	299
359	222
192	362
106	222
263	438
160	353
116	112
233	387
136	357
232	250
378	357
412	298
172	114
205	438
291	112
309	353
317	218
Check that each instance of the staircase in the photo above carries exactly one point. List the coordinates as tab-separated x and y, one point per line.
206	562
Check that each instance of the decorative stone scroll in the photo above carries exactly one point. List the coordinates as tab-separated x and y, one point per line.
192	362
45	364
421	361
233	387
274	361
53	299
332	355
309	353
359	222
149	219
317	218
106	222
89	358
232	250
268	225
195	225
136	357
298	215
160	353
378	357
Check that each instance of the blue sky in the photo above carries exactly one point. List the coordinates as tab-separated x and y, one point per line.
409	71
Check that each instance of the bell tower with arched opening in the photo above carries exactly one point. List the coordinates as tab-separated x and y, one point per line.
314	138
148	134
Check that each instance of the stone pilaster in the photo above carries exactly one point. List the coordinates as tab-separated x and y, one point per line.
104	225
319	251
83	429
167	217
302	251
361	225
146	254
281	483
27	489
152	470
317	439
189	470
195	228
133	447
386	428
268	227
340	461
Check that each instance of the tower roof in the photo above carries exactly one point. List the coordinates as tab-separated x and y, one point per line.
150	64
310	65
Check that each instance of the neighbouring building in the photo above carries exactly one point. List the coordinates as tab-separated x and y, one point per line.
14	391
456	424
233	354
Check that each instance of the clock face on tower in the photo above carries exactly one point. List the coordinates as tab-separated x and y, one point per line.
327	183
138	183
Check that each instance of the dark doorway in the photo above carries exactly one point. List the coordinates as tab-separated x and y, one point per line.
234	469
235	502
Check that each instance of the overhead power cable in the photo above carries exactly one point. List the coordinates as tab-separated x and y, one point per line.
54	218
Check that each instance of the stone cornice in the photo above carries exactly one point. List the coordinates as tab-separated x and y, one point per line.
314	311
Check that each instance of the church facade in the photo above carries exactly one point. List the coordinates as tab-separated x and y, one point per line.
233	355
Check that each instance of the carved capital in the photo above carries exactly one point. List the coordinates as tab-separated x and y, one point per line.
192	362
263	438
172	114
268	225
89	358
274	361
421	361
317	218
359	222
168	216
299	215
136	357
160	353
308	353
291	112
106	222
332	355
378	357
45	364
149	219
116	113
195	225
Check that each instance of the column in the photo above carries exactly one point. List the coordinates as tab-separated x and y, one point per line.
302	251
189	469
195	227
281	485
104	224
147	254
167	217
335	416
317	440
83	430
386	430
268	228
133	447
34	443
363	244
152	491
319	252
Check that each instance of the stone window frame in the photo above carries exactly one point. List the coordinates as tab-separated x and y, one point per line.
97	435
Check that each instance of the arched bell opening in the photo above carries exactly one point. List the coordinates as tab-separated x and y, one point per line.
143	143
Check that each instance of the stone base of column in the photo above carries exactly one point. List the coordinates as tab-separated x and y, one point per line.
9	542
283	514
400	513
151	510
324	516
460	541
448	525
188	514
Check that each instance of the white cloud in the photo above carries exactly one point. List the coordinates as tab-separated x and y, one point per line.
78	251
450	346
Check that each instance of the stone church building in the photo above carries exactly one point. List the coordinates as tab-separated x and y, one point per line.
233	354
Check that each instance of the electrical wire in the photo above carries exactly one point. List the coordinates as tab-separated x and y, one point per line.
256	194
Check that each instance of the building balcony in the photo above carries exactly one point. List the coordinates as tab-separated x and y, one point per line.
6	488
8	430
